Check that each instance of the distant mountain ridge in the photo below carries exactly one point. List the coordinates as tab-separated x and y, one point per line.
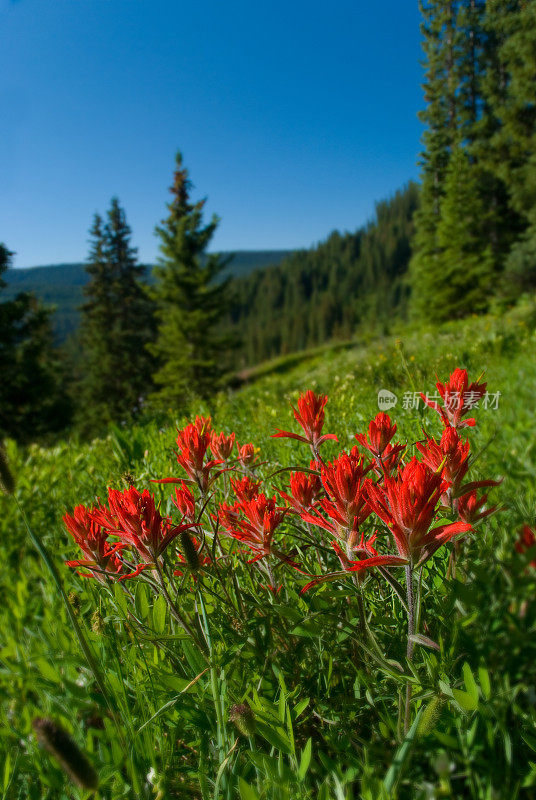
61	285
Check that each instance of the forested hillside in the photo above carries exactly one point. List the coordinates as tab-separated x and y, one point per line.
61	285
350	281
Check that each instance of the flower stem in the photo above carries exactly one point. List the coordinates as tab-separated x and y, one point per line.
410	645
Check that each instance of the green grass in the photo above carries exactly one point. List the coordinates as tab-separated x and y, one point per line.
476	736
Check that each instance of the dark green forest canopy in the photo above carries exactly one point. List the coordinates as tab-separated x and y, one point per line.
61	285
348	282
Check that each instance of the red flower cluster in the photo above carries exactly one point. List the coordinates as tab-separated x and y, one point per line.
342	497
101	556
407	504
310	416
253	521
222	445
305	489
346	503
459	397
381	431
193	442
133	519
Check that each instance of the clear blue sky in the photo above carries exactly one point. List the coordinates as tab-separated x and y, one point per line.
293	117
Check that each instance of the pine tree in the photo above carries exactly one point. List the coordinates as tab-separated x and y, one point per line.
191	299
440	117
514	140
33	401
463	280
117	325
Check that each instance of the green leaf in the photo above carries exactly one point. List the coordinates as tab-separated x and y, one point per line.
7	772
275	736
425	641
300	707
485	684
308	628
470	683
466	701
159	614
247	792
305	759
140	601
120	598
48	671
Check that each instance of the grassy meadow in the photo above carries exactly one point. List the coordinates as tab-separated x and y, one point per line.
158	719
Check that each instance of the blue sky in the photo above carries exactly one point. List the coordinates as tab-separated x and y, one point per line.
293	117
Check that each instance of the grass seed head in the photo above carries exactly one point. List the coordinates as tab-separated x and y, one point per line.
189	551
241	714
55	739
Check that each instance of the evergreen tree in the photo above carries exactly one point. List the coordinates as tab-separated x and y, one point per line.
439	115
463	280
191	299
514	140
32	397
469	44
117	325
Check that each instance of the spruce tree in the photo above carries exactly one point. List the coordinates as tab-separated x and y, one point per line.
463	280
191	299
117	325
33	401
440	118
514	139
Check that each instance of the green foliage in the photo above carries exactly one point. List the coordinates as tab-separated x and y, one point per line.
191	301
117	326
480	96
31	387
457	280
325	715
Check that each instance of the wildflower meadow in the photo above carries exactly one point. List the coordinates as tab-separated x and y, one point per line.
333	610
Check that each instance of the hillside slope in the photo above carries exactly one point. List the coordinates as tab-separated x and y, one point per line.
60	285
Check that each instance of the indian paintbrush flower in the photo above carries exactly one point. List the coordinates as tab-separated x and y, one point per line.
459	398
310	416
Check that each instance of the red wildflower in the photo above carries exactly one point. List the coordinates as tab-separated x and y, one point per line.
407	505
346	504
184	500
310	416
222	445
135	520
246	454
459	397
245	489
380	432
256	528
451	456
92	540
526	541
193	442
470	507
305	489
